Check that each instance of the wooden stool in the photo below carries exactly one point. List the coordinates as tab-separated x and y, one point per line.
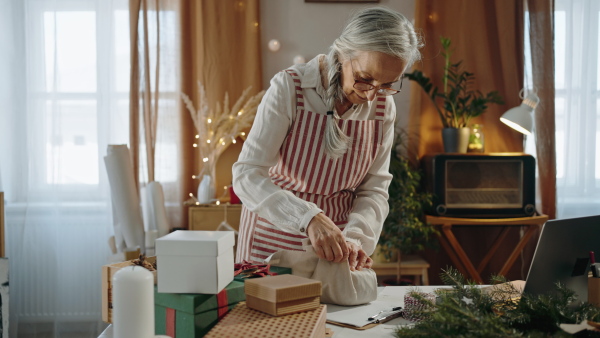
409	265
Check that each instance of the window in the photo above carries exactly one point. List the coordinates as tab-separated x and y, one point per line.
577	101
78	92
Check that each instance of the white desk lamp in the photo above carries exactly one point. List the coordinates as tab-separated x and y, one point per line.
521	118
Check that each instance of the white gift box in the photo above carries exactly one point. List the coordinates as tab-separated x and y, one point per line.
194	261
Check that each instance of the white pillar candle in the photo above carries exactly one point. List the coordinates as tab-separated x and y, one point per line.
133	303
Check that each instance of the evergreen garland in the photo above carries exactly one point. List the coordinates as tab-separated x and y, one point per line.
468	310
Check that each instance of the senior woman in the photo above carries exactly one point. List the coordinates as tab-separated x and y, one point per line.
316	161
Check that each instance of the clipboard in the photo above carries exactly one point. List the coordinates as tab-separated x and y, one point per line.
356	317
370	325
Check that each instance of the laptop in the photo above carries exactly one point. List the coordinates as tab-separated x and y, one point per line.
563	254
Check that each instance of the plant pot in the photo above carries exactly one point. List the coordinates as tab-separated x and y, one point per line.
456	140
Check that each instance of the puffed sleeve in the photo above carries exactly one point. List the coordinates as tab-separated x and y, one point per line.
371	207
260	152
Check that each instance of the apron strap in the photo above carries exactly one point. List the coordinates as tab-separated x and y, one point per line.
299	96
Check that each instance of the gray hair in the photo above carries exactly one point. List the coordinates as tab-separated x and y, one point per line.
375	29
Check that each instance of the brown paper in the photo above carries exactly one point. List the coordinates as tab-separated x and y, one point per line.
243	321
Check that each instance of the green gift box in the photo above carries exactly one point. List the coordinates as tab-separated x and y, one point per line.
184	315
276	269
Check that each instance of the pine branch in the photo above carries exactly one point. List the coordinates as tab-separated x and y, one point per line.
468	310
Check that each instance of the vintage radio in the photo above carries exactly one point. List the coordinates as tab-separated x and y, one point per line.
481	185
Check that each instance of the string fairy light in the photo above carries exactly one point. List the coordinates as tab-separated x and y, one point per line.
222	126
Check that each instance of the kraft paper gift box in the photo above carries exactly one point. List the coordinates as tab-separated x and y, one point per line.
248	323
194	261
282	295
108	271
193	315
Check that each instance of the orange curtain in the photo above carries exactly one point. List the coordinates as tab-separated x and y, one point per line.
488	37
541	33
154	102
220	49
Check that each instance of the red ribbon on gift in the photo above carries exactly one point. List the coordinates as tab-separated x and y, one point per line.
222	303
250	270
170	321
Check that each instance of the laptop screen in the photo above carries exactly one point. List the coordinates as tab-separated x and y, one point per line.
562	255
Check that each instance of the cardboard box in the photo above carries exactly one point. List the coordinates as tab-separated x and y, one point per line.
594	291
283	294
193	315
245	322
108	271
195	261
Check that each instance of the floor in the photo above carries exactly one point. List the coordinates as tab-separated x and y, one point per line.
60	330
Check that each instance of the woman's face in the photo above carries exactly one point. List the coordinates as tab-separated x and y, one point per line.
378	69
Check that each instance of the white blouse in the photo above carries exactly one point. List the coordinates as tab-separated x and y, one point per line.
260	152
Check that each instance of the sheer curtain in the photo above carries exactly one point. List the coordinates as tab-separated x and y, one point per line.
64	93
577	69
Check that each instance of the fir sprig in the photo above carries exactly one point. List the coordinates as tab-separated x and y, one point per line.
468	310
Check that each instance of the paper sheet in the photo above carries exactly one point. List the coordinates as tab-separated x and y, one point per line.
358	315
388	298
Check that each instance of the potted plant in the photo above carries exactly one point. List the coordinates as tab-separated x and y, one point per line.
457	103
404	231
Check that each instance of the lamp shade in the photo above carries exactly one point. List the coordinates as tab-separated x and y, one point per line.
521	118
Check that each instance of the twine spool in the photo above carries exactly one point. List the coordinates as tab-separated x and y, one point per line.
415	307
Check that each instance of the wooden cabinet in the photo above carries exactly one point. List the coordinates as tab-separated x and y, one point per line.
209	216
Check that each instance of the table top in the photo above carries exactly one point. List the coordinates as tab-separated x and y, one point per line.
389	293
531	220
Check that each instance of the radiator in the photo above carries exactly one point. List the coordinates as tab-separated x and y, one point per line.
56	260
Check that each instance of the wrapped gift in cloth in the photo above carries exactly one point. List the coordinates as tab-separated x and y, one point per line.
282	295
340	285
193	315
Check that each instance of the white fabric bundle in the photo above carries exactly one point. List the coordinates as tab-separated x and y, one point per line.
127	213
340	285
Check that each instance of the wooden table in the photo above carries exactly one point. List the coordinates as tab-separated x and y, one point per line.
457	254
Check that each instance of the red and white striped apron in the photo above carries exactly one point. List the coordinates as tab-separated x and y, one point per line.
305	170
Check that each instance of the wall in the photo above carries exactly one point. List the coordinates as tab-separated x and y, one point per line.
308	29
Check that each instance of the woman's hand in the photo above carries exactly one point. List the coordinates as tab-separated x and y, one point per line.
327	239
357	257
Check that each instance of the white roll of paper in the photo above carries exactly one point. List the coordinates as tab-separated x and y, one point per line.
151	236
156	203
146	213
127	212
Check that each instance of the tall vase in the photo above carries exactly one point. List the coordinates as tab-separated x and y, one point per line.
456	140
206	190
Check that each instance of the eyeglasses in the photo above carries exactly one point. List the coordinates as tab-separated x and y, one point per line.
391	89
